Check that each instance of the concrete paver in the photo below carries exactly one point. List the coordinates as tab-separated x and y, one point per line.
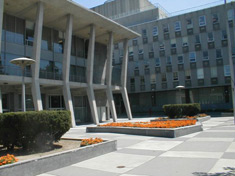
209	151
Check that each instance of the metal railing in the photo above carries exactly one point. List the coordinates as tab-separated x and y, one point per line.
77	78
14	71
50	75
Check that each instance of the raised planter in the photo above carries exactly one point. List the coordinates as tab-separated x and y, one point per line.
55	161
158	132
203	119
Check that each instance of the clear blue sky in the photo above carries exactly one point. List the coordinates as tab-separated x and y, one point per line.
170	5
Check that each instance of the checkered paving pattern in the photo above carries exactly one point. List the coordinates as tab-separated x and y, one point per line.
207	153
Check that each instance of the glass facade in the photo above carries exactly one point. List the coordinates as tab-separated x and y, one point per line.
19	33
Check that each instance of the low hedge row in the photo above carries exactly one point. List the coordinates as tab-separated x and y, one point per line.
32	130
180	110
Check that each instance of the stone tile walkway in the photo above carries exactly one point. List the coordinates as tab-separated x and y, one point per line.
207	153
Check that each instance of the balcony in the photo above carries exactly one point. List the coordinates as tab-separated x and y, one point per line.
142	87
178	34
164	85
193	65
166	36
141	56
173	51
202	29
224	43
76	78
200	82
219	62
198	47
155	38
145	40
206	63
14	71
230	23
153	87
131	57
190	31
50	75
157	69
188	83
169	68
175	84
216	26
162	53
214	81
180	67
211	45
132	88
185	49
151	54
227	79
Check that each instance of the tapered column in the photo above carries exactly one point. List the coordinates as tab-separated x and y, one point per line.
1	22
36	93
1	108
124	80
89	74
66	68
109	77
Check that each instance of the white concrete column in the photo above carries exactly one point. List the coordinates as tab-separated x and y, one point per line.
1	22
1	108
89	75
66	68
36	93
109	69
124	80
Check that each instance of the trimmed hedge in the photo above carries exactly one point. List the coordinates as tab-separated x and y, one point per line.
33	130
180	110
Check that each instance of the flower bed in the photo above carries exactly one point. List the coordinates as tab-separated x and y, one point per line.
8	159
154	124
91	141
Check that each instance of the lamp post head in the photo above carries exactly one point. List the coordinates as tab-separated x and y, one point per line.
180	87
22	62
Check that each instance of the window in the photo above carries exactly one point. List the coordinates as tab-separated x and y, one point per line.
142	81
224	35
141	50
205	55
144	33
168	60
175	76
29	33
153	78
218	53
213	72
46	43
189	23
132	81
155	31
135	42
200	73
210	37
192	57
146	70
158	63
185	41
173	43
130	49
58	41
162	46
230	14
177	26
163	77
187	74
227	70
165	28
202	20
197	39
215	18
180	59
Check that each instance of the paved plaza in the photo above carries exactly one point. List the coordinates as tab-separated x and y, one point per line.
207	153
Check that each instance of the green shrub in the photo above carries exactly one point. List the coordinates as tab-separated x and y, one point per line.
180	110
33	129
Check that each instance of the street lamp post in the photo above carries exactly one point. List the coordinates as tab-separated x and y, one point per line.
180	88
22	62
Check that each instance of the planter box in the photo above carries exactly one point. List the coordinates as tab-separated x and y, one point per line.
55	161
158	132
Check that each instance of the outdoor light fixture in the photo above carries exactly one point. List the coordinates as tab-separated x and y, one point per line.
23	62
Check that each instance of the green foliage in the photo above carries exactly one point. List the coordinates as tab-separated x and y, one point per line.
33	129
180	110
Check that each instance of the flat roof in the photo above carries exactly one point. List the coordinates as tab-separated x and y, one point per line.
56	11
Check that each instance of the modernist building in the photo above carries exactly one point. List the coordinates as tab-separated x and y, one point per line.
192	49
72	47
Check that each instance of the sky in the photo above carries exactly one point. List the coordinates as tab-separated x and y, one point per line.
171	6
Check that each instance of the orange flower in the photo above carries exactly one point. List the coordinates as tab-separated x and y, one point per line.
8	159
91	141
156	124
